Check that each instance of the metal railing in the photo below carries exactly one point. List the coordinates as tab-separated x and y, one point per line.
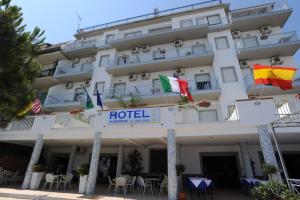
280	38
20	125
151	15
80	120
78	44
286	104
65	99
257	10
74	69
161	54
150	90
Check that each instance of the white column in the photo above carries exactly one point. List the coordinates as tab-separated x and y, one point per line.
246	160
71	160
267	148
172	175
120	161
93	172
34	159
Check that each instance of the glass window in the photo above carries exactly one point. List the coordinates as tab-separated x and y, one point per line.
123	60
132	34
99	86
201	20
228	74
203	81
159	54
221	43
214	19
109	37
156	86
186	23
198	49
232	113
159	30
250	41
104	60
78	93
209	116
119	89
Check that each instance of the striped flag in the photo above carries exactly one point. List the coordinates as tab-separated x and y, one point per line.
36	106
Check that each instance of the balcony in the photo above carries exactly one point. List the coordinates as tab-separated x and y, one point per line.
163	59
264	90
62	102
255	17
74	73
206	89
46	79
78	49
282	44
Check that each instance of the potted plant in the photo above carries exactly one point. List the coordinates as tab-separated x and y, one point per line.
269	170
82	171
37	175
133	163
180	168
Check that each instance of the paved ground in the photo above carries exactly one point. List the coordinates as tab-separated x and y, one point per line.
14	193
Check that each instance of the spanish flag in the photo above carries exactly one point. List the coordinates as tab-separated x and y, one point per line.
274	75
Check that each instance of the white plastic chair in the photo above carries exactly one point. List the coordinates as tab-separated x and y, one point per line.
163	185
50	179
131	183
144	185
66	180
295	183
111	183
120	183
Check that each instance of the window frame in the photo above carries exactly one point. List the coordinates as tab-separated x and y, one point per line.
235	75
96	87
205	84
186	20
227	43
100	61
209	24
109	35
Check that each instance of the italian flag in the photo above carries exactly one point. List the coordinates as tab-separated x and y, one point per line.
175	85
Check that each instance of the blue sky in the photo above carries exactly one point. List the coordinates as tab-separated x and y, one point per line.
58	17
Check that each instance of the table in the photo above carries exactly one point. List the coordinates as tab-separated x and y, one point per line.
200	184
252	181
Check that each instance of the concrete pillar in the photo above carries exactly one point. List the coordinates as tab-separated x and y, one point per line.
178	154
172	175
120	161
246	160
37	150
267	148
71	160
93	172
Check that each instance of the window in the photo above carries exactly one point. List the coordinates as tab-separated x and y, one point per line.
109	38
221	43
198	49
104	60
85	67
201	21
214	19
99	86
283	109
159	54
186	23
232	113
159	30
132	34
203	81
208	116
156	86
78	93
123	60
250	41
119	89
228	74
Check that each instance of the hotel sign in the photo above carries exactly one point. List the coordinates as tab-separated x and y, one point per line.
134	116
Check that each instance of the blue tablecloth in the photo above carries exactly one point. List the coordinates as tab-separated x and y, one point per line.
252	181
199	183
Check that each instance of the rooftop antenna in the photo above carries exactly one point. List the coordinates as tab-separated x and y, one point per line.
156	12
78	20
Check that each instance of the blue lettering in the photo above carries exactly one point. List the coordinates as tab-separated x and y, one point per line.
129	113
122	115
137	114
113	114
144	115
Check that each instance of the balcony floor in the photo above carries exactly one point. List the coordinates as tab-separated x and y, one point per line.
76	77
79	52
45	82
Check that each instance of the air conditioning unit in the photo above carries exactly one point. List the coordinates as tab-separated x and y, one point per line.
178	43
244	64
146	48
132	77
276	60
135	50
179	72
266	30
87	83
236	34
145	75
75	60
69	85
80	150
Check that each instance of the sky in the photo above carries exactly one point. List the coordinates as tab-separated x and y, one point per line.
59	17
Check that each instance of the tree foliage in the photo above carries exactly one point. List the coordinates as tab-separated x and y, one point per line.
18	69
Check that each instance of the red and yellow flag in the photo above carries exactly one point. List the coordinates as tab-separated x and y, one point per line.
274	75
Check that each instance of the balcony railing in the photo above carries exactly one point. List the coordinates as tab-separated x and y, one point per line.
273	39
65	99
151	91
161	55
79	45
257	10
151	15
22	124
74	69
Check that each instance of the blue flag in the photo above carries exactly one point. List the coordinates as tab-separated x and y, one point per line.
99	102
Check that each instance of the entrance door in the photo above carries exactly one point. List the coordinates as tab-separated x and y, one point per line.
59	163
107	167
158	161
292	165
223	170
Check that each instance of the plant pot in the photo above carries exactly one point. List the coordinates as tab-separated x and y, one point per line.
82	184
182	196
36	180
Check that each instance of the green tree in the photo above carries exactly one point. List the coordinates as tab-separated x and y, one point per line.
18	68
